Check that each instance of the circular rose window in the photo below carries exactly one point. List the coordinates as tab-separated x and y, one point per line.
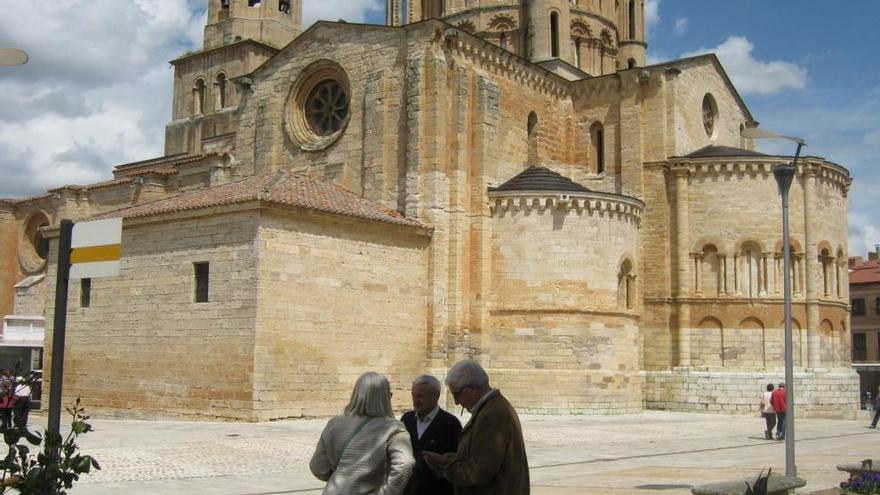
318	108
327	108
710	112
31	251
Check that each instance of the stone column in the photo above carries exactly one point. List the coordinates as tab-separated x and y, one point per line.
722	265
811	276
682	242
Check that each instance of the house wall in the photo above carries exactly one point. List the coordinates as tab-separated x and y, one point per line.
337	297
144	348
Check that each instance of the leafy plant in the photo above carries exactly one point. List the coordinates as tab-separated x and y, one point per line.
52	470
759	487
865	484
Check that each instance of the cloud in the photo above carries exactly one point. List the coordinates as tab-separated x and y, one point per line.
681	26
752	76
864	234
652	13
97	90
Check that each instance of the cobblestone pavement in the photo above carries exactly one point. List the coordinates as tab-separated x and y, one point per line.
651	452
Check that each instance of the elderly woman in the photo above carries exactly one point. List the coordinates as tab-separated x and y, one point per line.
365	451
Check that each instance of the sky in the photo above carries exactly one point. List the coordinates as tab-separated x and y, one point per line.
96	92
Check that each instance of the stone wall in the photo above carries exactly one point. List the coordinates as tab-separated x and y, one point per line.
831	393
563	338
337	297
144	347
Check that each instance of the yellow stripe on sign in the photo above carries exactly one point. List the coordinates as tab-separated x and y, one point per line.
92	254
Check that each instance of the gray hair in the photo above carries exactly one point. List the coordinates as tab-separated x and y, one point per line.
371	397
467	373
432	382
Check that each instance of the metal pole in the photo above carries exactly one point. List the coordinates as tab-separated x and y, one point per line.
60	326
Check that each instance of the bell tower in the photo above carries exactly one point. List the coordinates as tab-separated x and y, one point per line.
631	26
273	22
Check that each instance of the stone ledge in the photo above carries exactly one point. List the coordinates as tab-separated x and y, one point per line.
777	484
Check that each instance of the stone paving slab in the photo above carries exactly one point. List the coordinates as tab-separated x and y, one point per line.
651	452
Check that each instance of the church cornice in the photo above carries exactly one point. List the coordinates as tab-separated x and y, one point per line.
577	202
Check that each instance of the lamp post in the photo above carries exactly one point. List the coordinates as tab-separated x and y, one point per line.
784	175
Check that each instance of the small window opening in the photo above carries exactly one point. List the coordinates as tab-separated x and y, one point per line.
533	138
224	4
597	132
631	63
253	3
577	53
220	87
85	292
199	102
554	34
503	41
632	19
284	6
202	272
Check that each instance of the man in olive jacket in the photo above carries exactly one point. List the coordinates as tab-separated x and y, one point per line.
491	457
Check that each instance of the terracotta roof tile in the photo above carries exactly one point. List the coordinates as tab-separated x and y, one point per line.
280	188
865	273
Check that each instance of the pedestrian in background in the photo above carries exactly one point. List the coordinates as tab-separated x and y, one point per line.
22	407
778	401
768	412
365	451
876	408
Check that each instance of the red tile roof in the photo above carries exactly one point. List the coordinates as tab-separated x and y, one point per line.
279	188
867	272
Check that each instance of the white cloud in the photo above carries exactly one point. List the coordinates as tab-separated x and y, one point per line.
681	26
864	234
752	76
97	90
652	13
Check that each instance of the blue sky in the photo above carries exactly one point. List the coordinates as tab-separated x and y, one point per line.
804	67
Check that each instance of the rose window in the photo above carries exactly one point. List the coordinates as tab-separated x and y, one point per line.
327	108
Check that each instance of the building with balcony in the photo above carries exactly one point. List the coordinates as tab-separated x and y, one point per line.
864	293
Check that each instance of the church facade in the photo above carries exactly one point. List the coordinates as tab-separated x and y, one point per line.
501	180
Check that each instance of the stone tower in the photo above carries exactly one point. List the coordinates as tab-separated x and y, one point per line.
273	22
596	36
549	30
631	30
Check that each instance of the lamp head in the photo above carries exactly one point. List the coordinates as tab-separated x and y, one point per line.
784	175
755	133
12	56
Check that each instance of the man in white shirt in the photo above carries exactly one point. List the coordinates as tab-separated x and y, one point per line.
430	429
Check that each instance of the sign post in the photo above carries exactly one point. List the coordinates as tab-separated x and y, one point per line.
85	250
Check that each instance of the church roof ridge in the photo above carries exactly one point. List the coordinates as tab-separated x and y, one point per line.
716	151
281	188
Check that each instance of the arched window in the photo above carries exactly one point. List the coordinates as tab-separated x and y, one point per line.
577	53
284	6
711	283
199	97
533	138
597	143
825	260
631	63
750	261
626	285
220	91
554	34
253	3
224	4
632	19
503	41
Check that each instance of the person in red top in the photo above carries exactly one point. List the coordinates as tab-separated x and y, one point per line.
778	401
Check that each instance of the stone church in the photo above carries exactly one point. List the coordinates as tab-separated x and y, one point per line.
503	180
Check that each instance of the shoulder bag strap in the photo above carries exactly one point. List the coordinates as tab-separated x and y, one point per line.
350	438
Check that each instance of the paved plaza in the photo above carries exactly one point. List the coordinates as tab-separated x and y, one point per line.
651	452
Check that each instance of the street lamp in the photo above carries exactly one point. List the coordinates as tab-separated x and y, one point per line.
12	56
784	175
